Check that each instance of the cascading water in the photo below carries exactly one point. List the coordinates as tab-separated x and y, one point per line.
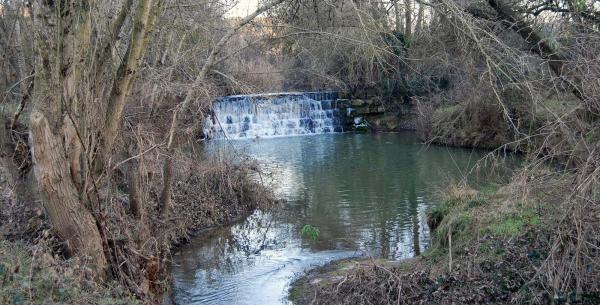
274	115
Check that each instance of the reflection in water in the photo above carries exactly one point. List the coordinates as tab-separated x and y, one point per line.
366	193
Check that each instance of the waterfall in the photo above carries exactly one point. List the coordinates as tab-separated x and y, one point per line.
274	115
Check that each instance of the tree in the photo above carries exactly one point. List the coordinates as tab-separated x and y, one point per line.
420	17
408	24
201	78
398	17
76	116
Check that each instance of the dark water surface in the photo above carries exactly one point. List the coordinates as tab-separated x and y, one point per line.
367	194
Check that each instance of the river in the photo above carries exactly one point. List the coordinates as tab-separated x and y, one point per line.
366	193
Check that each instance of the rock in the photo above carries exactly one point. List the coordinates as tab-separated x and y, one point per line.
388	122
363	111
342	103
361	129
357	103
344	95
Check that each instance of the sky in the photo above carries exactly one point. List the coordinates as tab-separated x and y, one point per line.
243	8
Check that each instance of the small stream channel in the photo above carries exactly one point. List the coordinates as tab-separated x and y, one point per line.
367	194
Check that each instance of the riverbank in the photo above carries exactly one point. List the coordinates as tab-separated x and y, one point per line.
34	269
487	247
366	193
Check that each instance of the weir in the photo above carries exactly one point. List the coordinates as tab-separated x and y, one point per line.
274	115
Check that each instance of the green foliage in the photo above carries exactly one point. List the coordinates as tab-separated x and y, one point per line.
437	214
455	217
515	223
490	248
489	189
310	232
509	227
579	5
477	201
397	41
457	225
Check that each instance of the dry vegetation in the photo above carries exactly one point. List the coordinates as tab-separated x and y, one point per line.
100	165
102	104
506	75
489	247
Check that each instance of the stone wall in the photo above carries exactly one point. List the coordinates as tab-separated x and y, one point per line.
371	114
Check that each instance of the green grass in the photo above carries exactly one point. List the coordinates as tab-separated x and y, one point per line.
457	225
477	201
556	106
514	224
491	249
509	227
456	215
28	280
447	110
489	189
438	213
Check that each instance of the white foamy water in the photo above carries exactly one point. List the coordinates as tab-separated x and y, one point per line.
274	115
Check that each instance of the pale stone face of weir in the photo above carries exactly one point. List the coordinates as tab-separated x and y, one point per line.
274	115
288	114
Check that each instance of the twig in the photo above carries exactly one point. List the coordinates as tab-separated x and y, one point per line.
136	156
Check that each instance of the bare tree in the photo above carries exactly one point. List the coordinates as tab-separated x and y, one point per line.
70	145
398	17
201	78
408	14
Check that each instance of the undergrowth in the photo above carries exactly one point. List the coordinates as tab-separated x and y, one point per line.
30	275
486	248
466	215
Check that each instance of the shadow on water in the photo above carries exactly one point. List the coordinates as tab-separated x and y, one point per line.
367	194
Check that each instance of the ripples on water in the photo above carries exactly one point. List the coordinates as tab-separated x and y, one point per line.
366	193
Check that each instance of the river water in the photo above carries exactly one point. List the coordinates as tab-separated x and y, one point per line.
366	193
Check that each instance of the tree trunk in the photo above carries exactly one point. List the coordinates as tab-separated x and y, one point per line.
71	220
420	16
21	56
407	19
398	15
74	150
136	205
146	14
165	195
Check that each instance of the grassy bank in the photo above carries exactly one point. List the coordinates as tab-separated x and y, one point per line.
487	247
31	275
